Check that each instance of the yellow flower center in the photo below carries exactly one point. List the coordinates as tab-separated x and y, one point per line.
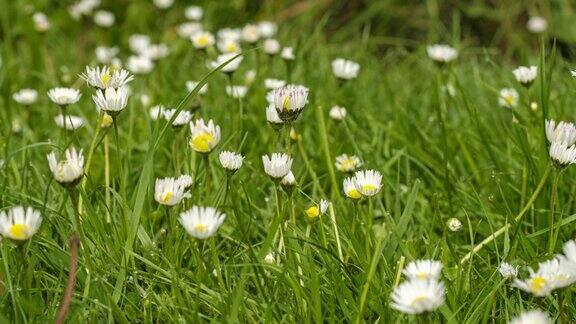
509	100
422	275
105	78
202	142
312	212
201	228
368	187
231	48
537	283
418	299
286	103
19	231
202	41
348	164
354	194
167	197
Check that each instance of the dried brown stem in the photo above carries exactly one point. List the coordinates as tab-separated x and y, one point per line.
67	298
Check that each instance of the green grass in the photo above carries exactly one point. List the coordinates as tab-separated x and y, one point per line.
441	156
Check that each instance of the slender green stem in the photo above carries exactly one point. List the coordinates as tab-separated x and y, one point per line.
554	226
326	148
89	159
287	139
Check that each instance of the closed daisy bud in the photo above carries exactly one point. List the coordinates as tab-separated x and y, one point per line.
64	96
441	53
156	112
204	137
350	189
562	154
193	12
111	100
202	40
289	101
508	98
106	120
526	75
41	22
139	64
288	182
105	55
20	223
271	46
236	91
287	54
272	116
345	69
454	224
337	113
171	191
267	29
231	66
563	132
534	106
507	270
69	171
163	4
184	117
251	33
69	122
202	222
25	96
230	161
102	78
104	18
295	136
347	163
423	270
278	165
537	24
532	317
313	212
368	182
418	296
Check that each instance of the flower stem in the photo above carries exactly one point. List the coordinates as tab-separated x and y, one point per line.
554	226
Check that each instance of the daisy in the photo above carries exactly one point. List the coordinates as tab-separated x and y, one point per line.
570	251
337	113
230	161
508	98
551	275
41	22
234	34
441	53
156	112
454	224
138	43
204	137
289	101
537	24
526	75
102	78
184	117
64	96
249	76
104	18
231	66
532	317
345	69
20	223
288	181
105	55
368	183
562	153
193	12
25	96
347	163
418	296
350	189
156	51
564	132
202	222
163	4
111	100
190	85
139	64
171	191
274	83
188	29
423	270
277	165
272	116
202	40
69	122
229	46
287	54
315	211
69	171
236	91
507	270
271	46
267	29
251	33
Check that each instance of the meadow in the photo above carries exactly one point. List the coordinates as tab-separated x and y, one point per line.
285	162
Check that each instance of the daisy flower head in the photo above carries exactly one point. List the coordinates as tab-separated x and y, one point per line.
163	4
563	132
562	154
508	98
231	66
250	33
249	77
347	163
288	182
138	43
272	117
441	54
41	22
171	191
202	222
230	161
454	224
20	223
184	117
190	85
69	122
423	270
537	24
532	317
337	113
368	182
188	29
105	55
350	189
287	54
552	274
315	211
68	171
236	91
507	270
202	39
290	101
526	75
570	251
104	18
234	34
64	96
156	51
345	69
204	137
140	64
157	112
193	12
228	46
271	46
418	296
105	77
267	29
25	97
272	84
111	100
277	165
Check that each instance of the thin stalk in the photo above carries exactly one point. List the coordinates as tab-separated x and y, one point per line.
287	139
207	174
368	234
89	159
326	147
336	234
107	177
554	228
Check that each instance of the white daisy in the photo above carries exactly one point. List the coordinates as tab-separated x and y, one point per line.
41	22
204	137
171	191
105	77
104	18
25	96
532	317
337	113
183	118
188	29
508	98
156	51
140	64
274	83
418	296
20	223
202	222
441	53
271	46
290	100
267	29
507	270
193	12
251	33
289	180
64	96
67	171
350	189
163	4
553	274
423	270
234	34
564	132
231	66
277	165
526	74
190	85
562	153
157	112
368	183
315	211
70	122
111	100
345	69
105	55
202	39
138	43
287	54
236	91
230	161
347	163
229	46
454	224
272	116
537	24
